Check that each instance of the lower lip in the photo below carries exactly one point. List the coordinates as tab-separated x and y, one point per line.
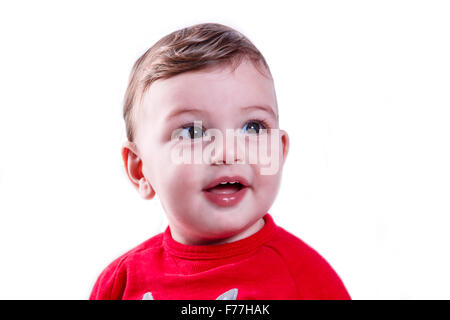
226	200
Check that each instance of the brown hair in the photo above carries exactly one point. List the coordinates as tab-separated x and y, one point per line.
192	48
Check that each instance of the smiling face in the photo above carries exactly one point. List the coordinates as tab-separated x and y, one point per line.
221	100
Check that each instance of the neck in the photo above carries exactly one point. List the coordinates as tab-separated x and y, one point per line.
246	233
255	227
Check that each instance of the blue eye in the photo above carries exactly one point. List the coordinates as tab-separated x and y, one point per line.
254	127
191	132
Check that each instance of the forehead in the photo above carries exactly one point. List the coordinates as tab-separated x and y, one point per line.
213	90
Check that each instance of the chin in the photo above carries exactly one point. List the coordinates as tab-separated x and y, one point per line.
229	225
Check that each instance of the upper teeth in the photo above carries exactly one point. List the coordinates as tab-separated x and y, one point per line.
228	182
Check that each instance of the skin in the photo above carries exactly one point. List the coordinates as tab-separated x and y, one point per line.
221	97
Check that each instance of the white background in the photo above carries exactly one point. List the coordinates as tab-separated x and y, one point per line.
363	89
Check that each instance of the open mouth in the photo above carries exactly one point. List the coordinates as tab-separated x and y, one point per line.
226	191
226	188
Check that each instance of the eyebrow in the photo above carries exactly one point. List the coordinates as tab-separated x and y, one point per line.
180	111
263	108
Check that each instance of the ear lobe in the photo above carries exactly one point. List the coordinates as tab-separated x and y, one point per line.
285	143
133	168
145	190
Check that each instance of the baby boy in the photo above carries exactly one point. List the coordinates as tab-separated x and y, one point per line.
200	106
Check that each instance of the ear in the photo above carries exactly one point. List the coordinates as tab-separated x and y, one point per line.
133	168
285	143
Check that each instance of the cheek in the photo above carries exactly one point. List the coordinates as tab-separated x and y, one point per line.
266	187
174	183
179	182
270	182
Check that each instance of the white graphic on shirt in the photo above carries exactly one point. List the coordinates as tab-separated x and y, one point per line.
148	296
229	295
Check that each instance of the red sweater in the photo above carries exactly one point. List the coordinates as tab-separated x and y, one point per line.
271	264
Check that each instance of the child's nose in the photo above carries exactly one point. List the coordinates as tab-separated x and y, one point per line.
231	151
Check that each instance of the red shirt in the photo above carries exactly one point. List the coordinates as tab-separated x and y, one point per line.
271	264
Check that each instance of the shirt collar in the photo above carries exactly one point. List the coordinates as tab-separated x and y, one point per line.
224	250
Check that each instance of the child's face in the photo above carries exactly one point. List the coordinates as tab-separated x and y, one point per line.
220	99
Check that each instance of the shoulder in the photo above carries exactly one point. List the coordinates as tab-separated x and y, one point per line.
313	275
111	282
